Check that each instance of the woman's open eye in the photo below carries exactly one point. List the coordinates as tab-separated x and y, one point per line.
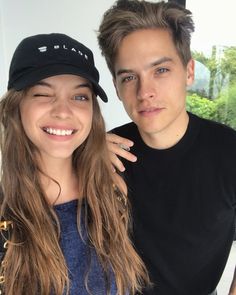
81	97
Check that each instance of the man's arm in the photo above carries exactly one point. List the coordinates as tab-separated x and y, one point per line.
119	146
232	290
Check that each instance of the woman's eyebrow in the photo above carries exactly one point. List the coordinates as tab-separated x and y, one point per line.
84	85
43	83
80	85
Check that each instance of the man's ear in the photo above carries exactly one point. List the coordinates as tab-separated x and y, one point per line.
117	92
190	72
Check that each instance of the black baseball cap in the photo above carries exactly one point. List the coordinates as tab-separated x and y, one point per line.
45	55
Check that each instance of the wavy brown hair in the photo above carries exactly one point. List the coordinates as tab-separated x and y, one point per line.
127	16
34	260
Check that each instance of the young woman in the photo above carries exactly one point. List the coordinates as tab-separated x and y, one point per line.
65	211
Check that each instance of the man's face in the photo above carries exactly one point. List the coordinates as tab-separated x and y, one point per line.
151	81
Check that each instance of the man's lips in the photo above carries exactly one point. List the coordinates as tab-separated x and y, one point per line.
150	110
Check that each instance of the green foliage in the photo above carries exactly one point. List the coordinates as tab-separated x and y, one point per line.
199	56
228	63
222	109
222	66
201	106
228	100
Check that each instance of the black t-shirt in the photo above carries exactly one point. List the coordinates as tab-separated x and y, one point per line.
183	205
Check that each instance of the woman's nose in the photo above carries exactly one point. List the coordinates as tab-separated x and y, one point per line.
61	108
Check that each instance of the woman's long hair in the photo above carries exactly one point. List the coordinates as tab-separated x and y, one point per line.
34	260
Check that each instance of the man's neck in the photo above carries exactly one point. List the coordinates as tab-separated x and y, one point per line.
168	137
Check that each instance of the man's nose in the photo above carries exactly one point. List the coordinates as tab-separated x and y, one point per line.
145	89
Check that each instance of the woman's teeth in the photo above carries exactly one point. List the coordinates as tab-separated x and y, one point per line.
60	132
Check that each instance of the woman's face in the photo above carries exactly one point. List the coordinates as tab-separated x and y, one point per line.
57	114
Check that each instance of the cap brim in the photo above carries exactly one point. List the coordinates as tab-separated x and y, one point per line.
32	77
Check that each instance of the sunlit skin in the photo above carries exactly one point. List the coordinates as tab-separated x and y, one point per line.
151	81
56	115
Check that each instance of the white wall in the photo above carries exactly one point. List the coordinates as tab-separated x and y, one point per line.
78	18
2	58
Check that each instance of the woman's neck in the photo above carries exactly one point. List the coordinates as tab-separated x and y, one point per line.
60	183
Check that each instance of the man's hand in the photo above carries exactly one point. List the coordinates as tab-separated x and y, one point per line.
119	146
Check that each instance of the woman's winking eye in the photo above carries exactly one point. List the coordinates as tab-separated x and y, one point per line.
41	94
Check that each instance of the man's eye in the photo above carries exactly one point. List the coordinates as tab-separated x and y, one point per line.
162	70
128	78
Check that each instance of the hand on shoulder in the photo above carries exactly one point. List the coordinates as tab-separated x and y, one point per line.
119	147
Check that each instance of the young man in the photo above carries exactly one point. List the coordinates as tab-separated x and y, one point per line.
182	186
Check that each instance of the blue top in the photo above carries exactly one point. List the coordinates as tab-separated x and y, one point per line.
77	254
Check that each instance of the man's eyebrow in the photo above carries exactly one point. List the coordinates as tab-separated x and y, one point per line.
123	71
160	61
152	64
